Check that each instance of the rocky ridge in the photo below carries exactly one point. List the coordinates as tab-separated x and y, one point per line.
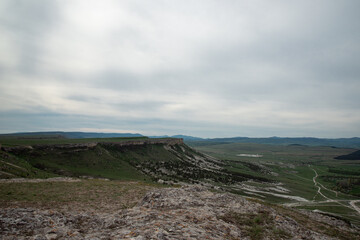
167	141
190	212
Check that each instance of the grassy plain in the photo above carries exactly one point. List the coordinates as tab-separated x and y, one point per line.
293	167
98	195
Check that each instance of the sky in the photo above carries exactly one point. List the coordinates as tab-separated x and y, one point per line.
203	68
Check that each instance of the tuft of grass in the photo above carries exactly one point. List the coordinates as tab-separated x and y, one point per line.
254	225
256	232
280	233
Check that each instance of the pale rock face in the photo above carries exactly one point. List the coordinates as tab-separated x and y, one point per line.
171	213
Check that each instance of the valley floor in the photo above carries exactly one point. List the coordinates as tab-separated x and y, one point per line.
303	177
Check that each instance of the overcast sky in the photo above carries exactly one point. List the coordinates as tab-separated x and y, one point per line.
202	68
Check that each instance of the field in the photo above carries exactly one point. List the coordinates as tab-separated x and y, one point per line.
303	177
95	194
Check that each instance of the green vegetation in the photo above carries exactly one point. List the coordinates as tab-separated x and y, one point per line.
75	162
305	221
141	162
12	166
256	225
346	184
286	164
351	156
99	195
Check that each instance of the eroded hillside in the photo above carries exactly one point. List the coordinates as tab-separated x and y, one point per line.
145	159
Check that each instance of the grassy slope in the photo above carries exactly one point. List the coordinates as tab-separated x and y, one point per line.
114	162
101	161
95	195
96	162
13	166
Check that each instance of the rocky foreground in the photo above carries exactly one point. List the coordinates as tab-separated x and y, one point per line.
176	213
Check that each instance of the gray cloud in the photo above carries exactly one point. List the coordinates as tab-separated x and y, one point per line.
203	68
26	24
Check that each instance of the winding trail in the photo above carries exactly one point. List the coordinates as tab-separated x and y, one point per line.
319	188
353	204
336	193
330	190
319	185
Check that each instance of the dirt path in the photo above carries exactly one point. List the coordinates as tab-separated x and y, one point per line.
336	193
13	165
253	190
319	188
353	204
8	174
319	185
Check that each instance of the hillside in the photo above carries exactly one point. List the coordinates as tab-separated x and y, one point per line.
352	156
135	159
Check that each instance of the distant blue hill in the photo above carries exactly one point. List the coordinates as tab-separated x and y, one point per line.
308	141
197	141
185	137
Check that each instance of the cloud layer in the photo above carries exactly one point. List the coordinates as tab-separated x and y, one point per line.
204	68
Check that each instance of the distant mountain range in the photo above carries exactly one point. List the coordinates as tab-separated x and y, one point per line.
197	141
308	141
59	134
185	137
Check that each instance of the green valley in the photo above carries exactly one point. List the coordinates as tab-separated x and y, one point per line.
305	177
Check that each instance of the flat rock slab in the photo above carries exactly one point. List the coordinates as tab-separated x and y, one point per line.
170	213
